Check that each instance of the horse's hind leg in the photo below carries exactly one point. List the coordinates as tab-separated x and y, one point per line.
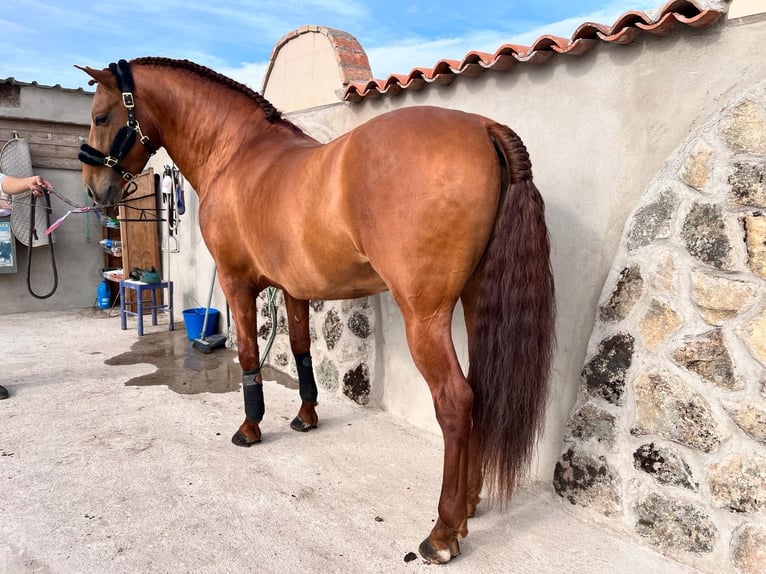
430	341
475	455
300	344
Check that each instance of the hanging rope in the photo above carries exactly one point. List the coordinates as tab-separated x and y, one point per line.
271	294
33	235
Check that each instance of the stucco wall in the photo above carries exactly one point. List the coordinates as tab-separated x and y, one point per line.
186	260
310	59
77	251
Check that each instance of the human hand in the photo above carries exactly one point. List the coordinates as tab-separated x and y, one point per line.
38	185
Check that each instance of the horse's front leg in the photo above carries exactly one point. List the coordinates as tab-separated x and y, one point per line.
242	300
300	344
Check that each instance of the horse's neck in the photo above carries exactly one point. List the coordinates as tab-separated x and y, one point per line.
201	132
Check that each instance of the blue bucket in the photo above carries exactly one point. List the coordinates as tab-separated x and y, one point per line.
193	320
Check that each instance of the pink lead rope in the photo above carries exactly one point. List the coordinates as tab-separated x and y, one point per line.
61	219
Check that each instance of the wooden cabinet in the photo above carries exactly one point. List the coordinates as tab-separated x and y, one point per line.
139	232
139	225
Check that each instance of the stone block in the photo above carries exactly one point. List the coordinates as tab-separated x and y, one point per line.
327	374
658	323
668	407
282	328
353	349
754	336
359	324
748	549
673	525
332	329
695	171
356	384
626	294
666	465
663	274
281	359
720	299
264	331
755	242
744	130
708	357
350	305
652	221
748	183
739	482
704	232
588	480
591	424
605	373
750	418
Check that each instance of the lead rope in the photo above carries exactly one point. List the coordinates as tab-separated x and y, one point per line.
33	234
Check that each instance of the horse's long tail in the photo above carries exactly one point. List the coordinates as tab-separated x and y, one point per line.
512	338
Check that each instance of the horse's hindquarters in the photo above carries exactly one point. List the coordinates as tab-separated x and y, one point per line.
421	211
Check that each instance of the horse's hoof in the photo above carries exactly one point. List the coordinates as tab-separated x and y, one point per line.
434	556
240	439
298	424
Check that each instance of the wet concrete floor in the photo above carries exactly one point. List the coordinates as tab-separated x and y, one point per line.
186	370
99	477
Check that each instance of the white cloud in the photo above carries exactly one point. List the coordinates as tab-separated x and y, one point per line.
250	74
400	56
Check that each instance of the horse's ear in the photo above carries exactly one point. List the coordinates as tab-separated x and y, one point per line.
99	76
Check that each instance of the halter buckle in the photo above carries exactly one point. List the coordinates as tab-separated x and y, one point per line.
146	141
127	100
110	161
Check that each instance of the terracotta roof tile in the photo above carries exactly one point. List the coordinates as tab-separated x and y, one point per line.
624	31
11	81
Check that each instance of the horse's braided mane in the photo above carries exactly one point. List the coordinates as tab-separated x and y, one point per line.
272	114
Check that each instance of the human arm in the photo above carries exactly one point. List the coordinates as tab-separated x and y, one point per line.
36	184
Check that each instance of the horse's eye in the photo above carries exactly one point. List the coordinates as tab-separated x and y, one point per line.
100	120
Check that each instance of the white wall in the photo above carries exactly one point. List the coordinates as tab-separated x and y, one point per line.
191	268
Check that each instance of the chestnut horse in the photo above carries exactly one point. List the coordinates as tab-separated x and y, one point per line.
431	204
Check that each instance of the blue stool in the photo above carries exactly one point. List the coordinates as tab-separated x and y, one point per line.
139	287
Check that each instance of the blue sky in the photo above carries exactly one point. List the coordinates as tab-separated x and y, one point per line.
41	40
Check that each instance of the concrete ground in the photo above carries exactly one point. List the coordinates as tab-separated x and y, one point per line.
128	467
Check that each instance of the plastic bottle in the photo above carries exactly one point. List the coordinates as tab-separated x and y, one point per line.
102	297
110	243
167	186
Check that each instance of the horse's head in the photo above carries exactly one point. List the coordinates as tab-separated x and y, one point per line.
114	152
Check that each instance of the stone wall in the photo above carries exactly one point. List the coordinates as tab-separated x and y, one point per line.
342	343
667	439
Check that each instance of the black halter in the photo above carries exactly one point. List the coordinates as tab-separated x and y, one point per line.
126	136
